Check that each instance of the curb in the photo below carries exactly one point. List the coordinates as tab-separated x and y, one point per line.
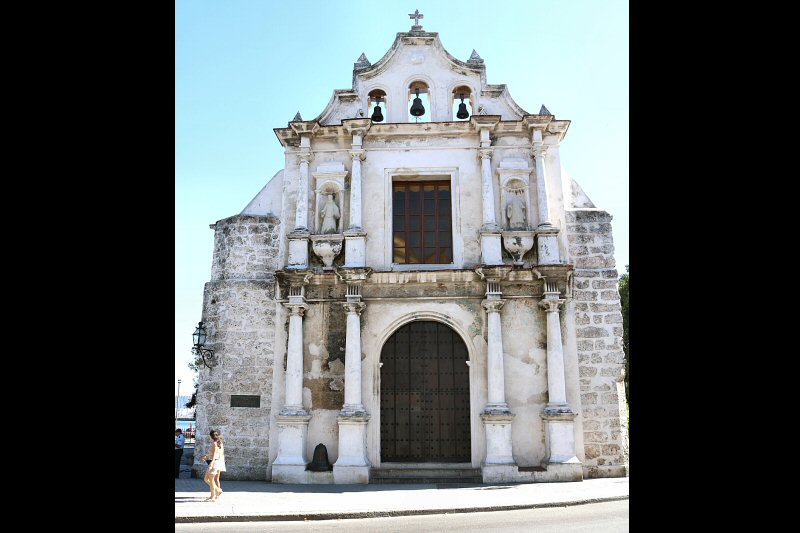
382	514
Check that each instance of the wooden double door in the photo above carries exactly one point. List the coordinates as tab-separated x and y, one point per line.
425	395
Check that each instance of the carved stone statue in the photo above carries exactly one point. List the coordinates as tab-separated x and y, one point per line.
329	215
515	211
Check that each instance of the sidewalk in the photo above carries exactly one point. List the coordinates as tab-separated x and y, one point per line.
245	501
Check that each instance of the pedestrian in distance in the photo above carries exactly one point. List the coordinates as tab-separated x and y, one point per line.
180	440
216	465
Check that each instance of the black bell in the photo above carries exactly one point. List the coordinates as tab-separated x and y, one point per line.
462	108
377	116
320	461
417	109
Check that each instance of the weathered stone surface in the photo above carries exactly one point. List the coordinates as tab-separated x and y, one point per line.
249	329
599	301
592	332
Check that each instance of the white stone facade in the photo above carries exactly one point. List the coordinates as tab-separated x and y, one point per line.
299	317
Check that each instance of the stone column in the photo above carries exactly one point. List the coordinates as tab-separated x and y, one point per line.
539	152
352	359
496	377
352	466
546	233
487	188
293	402
299	236
497	417
355	251
559	417
491	247
290	464
358	155
301	213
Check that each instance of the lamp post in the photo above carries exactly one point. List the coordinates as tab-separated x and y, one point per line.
177	398
199	348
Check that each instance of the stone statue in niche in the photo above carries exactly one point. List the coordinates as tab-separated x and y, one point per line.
329	215
515	212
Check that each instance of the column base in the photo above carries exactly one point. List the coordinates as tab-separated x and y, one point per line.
500	473
547	246
560	435
289	474
491	250
290	464
498	438
352	466
554	472
298	250
355	248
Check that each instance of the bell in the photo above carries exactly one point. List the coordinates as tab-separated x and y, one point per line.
417	109
462	108
320	461
377	116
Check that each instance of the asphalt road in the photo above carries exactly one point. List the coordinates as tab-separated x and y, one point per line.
608	517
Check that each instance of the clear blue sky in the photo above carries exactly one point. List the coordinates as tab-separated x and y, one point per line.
243	67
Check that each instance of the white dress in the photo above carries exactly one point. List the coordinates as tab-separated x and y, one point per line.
219	465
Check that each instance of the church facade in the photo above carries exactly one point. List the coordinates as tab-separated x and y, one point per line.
421	288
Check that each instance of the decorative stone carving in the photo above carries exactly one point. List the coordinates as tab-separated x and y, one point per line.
515	212
518	243
329	199
327	247
329	216
493	306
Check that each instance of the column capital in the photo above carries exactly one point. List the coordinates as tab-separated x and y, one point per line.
296	309
356	126
493	306
485	153
539	150
358	154
354	307
551	305
305	157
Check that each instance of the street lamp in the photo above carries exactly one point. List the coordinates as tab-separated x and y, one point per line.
177	398
199	349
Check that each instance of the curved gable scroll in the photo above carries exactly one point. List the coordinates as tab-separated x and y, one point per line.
349	103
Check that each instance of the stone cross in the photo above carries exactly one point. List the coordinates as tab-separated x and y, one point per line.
416	15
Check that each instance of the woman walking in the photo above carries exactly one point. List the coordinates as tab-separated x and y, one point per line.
216	464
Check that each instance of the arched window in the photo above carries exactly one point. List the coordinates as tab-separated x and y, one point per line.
419	89
377	99
462	94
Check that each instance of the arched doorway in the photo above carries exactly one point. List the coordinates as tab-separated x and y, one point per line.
425	395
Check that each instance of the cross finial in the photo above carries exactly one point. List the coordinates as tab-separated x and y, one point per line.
416	15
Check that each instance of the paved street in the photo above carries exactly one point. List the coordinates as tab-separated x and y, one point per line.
606	517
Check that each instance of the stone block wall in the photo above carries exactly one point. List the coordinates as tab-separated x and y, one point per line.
598	324
245	247
239	313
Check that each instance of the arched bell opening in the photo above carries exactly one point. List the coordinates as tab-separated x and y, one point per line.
419	102
377	106
461	103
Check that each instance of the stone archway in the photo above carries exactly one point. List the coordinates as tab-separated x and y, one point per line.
425	401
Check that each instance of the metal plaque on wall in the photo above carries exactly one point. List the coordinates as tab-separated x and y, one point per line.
245	400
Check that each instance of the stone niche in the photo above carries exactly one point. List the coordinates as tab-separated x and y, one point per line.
515	207
327	237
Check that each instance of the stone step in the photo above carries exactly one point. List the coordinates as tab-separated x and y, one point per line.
426	475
